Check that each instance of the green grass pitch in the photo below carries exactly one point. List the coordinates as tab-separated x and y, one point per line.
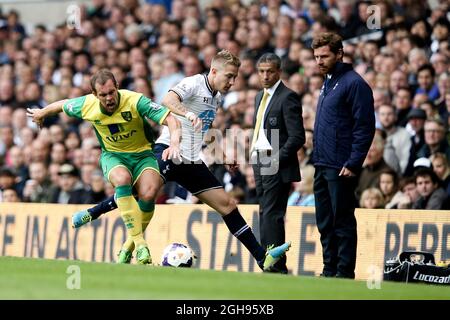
26	278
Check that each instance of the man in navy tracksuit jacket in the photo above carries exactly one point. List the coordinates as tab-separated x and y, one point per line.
343	132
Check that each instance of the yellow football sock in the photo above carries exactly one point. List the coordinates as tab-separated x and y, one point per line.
146	218
131	215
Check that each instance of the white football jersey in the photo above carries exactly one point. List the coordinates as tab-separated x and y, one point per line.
197	96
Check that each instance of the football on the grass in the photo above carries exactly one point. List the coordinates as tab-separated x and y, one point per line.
177	255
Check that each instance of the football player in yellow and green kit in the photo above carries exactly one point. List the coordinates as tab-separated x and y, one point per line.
119	118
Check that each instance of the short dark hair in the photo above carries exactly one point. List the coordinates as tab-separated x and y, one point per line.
371	41
405	181
428	67
426	172
428	102
6	172
101	77
331	39
270	58
442	21
328	23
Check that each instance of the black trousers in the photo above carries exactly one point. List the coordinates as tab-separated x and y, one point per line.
272	196
335	218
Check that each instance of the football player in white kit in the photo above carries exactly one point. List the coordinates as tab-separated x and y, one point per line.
195	100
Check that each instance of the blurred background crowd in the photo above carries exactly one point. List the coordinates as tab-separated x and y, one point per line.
400	47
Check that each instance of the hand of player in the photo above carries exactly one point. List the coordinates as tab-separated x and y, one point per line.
36	115
195	121
231	167
404	202
172	153
346	173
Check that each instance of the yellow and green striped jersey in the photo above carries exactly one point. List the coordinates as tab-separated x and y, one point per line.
126	130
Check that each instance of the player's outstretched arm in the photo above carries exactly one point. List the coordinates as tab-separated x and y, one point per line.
173	151
172	101
38	115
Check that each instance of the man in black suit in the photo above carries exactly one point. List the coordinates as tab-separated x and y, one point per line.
277	137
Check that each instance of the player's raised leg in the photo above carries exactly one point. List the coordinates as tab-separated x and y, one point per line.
82	217
219	200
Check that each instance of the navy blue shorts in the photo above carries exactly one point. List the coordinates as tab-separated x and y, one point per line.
195	177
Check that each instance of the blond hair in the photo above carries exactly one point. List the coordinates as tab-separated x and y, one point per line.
441	156
375	192
224	58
